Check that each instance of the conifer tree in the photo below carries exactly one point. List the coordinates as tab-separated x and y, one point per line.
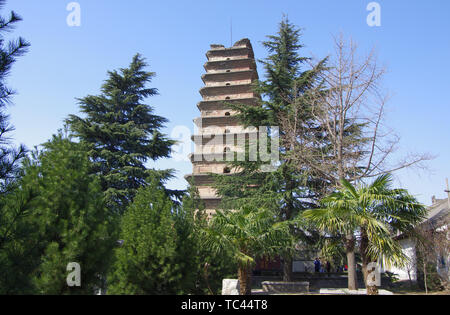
9	51
187	221
151	259
14	258
69	221
18	247
123	134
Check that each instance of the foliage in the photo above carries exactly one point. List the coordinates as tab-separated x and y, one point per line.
9	51
247	234
158	251
210	267
123	134
18	247
10	157
286	190
71	219
373	212
59	218
377	208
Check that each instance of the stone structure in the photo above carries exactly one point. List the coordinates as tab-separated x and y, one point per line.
230	73
285	287
351	292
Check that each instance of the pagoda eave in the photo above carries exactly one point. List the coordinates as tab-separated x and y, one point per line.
219	121
222	104
222	90
198	139
245	63
229	76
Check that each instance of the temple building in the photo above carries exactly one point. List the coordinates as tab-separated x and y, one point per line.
229	75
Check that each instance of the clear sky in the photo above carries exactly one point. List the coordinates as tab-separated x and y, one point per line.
69	62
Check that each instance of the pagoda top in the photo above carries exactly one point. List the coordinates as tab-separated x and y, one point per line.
243	43
241	49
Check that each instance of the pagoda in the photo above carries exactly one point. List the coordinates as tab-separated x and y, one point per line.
229	75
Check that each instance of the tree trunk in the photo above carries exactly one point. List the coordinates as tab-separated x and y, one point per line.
287	269
288	212
351	262
371	289
245	280
363	251
425	277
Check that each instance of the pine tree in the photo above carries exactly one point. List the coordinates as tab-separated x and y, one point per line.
151	260
123	134
9	156
68	220
187	221
14	257
18	248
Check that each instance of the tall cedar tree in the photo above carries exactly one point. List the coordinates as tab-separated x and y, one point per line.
158	255
9	51
123	134
69	220
286	190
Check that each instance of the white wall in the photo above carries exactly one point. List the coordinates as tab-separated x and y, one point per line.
409	249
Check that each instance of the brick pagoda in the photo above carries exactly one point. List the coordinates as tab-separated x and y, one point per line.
229	75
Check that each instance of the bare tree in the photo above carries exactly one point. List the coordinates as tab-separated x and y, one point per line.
433	247
344	135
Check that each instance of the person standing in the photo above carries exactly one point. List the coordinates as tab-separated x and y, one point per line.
317	265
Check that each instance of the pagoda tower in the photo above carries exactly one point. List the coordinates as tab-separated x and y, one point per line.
229	75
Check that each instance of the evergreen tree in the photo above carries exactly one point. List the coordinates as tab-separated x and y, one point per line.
18	246
157	249
210	266
375	212
123	134
69	221
9	51
14	262
287	190
187	220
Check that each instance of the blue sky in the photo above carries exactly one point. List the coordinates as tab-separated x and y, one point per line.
65	62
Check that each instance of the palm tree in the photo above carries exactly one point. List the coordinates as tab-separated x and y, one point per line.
372	212
248	234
